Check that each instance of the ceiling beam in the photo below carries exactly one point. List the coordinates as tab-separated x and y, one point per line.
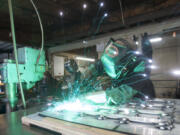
150	28
134	16
136	20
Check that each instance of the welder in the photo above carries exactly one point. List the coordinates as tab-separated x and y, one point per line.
128	73
128	69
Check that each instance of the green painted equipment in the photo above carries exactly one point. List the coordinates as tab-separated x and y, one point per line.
30	72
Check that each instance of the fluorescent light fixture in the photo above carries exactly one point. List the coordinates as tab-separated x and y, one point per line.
176	72
157	39
105	14
101	4
85	59
61	13
84	6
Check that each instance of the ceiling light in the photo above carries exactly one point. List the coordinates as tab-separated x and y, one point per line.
157	39
84	6
176	72
101	4
145	75
105	14
137	43
61	13
85	59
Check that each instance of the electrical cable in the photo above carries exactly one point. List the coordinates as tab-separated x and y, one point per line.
42	31
15	51
122	15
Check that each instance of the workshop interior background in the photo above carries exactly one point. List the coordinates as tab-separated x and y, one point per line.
72	30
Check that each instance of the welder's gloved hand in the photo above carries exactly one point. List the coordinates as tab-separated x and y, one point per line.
120	95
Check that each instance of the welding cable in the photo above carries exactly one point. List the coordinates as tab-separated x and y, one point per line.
122	14
42	31
15	51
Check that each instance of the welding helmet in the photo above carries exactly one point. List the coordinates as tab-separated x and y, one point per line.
71	66
116	57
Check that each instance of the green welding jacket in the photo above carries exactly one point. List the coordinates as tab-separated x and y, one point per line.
120	95
125	67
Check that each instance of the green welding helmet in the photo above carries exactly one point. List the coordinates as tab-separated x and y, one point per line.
116	58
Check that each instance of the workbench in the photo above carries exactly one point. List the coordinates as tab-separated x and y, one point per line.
11	124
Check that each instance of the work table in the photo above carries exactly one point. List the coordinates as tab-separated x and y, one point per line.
10	124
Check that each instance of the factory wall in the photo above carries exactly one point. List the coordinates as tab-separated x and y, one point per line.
166	59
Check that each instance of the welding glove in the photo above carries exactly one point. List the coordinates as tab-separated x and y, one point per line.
120	95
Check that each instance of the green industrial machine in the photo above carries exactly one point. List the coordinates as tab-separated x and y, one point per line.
31	68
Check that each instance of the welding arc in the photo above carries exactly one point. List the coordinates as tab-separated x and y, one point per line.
42	31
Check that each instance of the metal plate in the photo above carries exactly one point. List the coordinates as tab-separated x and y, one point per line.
137	120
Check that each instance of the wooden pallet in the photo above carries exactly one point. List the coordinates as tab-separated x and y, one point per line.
63	127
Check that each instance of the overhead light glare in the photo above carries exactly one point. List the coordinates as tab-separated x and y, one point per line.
105	14
153	67
61	13
137	52
85	59
85	42
84	6
150	61
137	43
176	72
101	4
145	75
157	39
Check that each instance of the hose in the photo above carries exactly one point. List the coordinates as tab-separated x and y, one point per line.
15	51
42	31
